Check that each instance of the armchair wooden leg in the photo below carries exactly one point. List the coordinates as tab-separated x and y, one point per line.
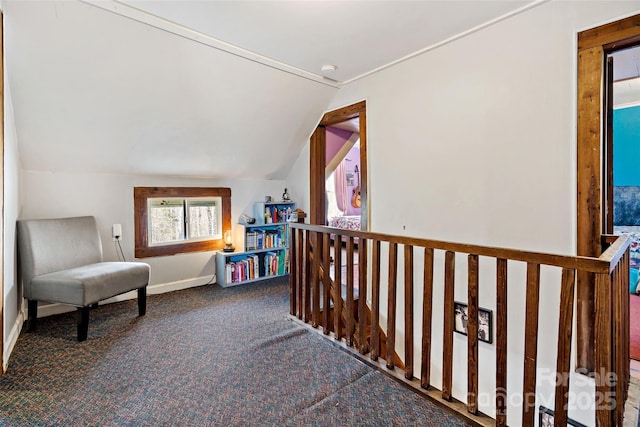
142	301
83	323
32	315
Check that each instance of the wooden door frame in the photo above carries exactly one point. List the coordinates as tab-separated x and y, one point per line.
593	45
317	157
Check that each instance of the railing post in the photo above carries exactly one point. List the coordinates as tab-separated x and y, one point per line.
427	307
501	342
621	332
293	272
408	312
315	280
306	278
338	303
362	296
375	300
350	318
563	358
391	307
532	304
605	394
472	335
326	283
447	345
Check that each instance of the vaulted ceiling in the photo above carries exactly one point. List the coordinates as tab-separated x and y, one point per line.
202	88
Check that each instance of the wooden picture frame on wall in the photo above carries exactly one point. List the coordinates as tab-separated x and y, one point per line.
485	322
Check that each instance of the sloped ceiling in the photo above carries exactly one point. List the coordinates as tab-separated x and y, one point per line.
199	88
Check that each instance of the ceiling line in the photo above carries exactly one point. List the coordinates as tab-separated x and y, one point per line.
163	24
489	23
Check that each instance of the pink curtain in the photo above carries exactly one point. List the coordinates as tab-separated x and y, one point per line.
340	180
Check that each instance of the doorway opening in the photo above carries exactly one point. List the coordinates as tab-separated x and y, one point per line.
335	122
593	47
342	172
621	173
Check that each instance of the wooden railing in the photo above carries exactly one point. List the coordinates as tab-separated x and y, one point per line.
317	286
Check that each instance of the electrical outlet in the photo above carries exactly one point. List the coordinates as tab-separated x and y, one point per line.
116	232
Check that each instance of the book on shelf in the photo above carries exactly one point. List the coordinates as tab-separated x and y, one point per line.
244	269
266	239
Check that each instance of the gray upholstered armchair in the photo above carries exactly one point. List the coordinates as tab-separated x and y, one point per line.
61	262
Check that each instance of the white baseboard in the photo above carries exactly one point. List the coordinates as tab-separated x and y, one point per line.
12	338
161	288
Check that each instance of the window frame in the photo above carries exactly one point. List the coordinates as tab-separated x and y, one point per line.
141	196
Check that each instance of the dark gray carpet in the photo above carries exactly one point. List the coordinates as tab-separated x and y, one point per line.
202	356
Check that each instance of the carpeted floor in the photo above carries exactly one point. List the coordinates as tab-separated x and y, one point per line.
202	356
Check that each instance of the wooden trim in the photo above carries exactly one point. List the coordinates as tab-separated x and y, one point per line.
364	174
592	45
140	196
609	33
317	159
607	171
343	114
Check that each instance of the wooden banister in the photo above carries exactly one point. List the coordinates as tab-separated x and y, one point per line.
317	278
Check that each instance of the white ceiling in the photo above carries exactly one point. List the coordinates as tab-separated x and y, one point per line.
202	88
626	77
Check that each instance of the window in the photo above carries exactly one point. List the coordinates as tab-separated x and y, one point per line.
178	220
172	220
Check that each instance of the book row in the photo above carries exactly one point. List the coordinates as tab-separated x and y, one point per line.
257	266
265	239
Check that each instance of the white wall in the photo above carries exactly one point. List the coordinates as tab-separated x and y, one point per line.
12	169
474	142
110	199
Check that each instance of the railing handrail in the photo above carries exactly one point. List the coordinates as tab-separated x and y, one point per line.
614	252
604	264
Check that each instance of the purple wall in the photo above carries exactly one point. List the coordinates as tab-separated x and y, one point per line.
335	140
